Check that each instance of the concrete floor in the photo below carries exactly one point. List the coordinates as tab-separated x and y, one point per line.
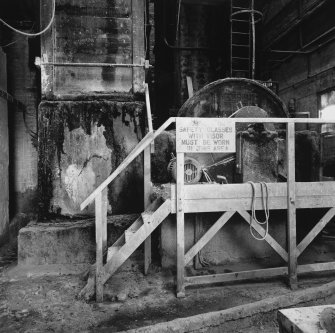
48	303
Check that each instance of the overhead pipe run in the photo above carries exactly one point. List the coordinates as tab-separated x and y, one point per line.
301	52
164	32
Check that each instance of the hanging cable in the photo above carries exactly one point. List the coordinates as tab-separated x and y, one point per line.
37	33
265	201
178	20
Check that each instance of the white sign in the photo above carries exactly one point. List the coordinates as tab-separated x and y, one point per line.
205	135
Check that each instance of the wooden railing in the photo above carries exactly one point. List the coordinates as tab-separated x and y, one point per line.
99	195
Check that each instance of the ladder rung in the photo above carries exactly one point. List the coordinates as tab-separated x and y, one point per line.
237	20
240	45
241	8
240	33
240	58
241	70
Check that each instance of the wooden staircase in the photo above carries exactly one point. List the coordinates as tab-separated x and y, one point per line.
116	255
135	235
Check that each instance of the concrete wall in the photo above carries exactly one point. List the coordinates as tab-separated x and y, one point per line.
205	31
307	27
109	32
305	77
232	244
23	85
99	118
80	144
4	154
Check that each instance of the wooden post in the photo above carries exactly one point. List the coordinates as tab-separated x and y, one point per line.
147	193
4	150
99	288
291	208
104	205
197	235
189	86
180	226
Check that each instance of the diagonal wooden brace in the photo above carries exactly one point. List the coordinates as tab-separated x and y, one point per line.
270	240
208	236
315	231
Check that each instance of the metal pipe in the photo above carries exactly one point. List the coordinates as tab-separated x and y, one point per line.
175	47
305	52
89	64
308	12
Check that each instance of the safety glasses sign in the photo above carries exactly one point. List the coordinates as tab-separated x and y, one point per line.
205	135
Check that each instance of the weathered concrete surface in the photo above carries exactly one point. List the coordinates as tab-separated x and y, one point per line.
96	32
4	150
80	144
65	243
231	319
23	85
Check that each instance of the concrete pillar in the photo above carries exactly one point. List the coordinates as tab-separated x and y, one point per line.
4	157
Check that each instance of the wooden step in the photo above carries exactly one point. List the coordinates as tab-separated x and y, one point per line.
123	253
146	217
133	229
112	251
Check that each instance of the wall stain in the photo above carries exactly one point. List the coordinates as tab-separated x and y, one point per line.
54	117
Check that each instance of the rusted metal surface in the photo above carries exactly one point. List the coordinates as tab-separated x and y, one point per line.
224	97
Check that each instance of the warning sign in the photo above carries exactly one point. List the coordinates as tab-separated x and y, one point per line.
205	135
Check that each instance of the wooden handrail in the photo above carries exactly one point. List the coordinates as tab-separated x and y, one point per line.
150	137
144	143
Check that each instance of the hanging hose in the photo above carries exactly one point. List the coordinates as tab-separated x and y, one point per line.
265	201
37	33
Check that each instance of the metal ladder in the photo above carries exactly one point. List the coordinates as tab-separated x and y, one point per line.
243	18
240	39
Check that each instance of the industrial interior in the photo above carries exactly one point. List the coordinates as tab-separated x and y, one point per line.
167	166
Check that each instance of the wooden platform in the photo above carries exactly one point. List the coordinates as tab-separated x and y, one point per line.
202	198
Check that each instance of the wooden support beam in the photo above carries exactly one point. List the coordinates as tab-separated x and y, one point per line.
99	286
315	231
104	207
291	208
198	232
256	274
189	86
269	239
233	197
147	194
149	115
213	230
180	226
235	276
